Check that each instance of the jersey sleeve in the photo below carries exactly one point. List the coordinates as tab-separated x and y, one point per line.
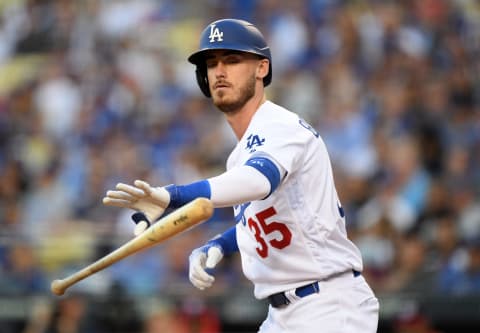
238	185
283	141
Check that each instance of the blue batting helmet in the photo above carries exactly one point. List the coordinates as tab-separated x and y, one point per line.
229	34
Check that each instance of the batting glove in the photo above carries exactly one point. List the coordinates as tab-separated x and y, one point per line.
202	258
151	201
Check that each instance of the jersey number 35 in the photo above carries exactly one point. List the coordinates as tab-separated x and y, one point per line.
262	228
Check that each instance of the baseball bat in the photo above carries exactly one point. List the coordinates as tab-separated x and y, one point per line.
185	217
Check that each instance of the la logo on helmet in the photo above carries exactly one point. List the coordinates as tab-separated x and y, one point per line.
215	33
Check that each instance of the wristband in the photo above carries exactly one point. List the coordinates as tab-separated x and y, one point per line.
226	241
183	194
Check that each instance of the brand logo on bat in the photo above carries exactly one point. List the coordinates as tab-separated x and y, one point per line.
181	219
215	33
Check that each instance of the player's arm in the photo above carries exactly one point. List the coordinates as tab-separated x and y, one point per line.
238	185
254	180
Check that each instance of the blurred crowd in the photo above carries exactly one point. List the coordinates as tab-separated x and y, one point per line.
93	93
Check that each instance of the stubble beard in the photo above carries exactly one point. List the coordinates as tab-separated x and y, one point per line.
232	105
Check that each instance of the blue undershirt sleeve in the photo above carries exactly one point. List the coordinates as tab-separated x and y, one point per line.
227	241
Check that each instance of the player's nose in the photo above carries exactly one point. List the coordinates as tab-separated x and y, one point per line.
220	70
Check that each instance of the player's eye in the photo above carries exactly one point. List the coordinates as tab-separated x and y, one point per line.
233	59
211	63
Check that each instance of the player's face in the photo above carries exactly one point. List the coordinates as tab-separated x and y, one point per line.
232	78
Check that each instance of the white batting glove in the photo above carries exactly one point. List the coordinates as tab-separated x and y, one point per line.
205	257
152	201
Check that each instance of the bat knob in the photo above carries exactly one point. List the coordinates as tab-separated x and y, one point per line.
57	287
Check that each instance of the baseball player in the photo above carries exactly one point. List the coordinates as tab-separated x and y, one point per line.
290	225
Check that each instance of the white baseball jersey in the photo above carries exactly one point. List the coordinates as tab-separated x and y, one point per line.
297	234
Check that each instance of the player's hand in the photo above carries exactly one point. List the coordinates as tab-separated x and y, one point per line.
205	257
151	201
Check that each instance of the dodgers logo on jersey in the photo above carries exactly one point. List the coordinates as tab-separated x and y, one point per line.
215	33
253	141
240	212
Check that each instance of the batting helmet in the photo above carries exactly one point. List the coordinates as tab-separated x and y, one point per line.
229	34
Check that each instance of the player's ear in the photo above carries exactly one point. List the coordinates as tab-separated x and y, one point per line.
263	68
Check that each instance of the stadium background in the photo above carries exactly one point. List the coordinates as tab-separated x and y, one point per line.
96	92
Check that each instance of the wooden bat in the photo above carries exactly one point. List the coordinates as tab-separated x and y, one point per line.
185	217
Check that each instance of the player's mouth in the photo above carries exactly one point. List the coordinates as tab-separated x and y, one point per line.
219	85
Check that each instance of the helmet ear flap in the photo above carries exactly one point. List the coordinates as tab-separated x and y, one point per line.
202	80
